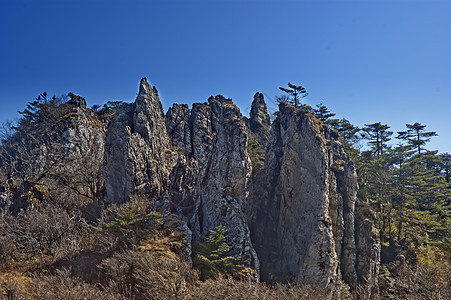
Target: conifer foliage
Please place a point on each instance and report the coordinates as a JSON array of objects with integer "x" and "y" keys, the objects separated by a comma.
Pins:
[
  {"x": 378, "y": 136},
  {"x": 406, "y": 184},
  {"x": 213, "y": 256},
  {"x": 295, "y": 93},
  {"x": 415, "y": 136},
  {"x": 322, "y": 113}
]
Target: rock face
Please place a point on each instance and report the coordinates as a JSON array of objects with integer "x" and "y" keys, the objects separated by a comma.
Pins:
[
  {"x": 368, "y": 248},
  {"x": 84, "y": 143},
  {"x": 77, "y": 101},
  {"x": 303, "y": 220},
  {"x": 137, "y": 148},
  {"x": 291, "y": 211},
  {"x": 64, "y": 156},
  {"x": 213, "y": 170},
  {"x": 259, "y": 121}
]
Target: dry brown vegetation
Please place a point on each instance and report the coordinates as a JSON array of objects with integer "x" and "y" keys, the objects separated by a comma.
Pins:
[{"x": 49, "y": 253}]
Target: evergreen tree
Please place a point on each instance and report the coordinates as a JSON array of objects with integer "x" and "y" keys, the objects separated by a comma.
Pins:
[
  {"x": 426, "y": 197},
  {"x": 42, "y": 118},
  {"x": 378, "y": 135},
  {"x": 322, "y": 113},
  {"x": 376, "y": 185},
  {"x": 445, "y": 165},
  {"x": 213, "y": 255},
  {"x": 415, "y": 136},
  {"x": 347, "y": 131},
  {"x": 294, "y": 95}
]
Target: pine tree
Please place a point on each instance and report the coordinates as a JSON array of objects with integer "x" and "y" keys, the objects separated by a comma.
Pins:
[
  {"x": 295, "y": 94},
  {"x": 322, "y": 113},
  {"x": 378, "y": 135},
  {"x": 347, "y": 131},
  {"x": 445, "y": 165},
  {"x": 426, "y": 197},
  {"x": 415, "y": 136},
  {"x": 376, "y": 185},
  {"x": 213, "y": 255}
]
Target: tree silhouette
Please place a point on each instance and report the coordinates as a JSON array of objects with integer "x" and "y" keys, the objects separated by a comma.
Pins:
[
  {"x": 323, "y": 113},
  {"x": 415, "y": 136},
  {"x": 295, "y": 94},
  {"x": 377, "y": 135}
]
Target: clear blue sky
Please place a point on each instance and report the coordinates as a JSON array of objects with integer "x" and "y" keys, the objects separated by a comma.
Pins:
[{"x": 368, "y": 61}]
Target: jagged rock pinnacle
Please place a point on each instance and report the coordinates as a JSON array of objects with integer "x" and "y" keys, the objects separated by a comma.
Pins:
[{"x": 259, "y": 118}]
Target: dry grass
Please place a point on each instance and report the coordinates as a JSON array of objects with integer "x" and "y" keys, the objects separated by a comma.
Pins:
[{"x": 222, "y": 288}]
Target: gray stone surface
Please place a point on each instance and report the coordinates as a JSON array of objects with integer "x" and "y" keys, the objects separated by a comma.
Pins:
[
  {"x": 303, "y": 220},
  {"x": 259, "y": 121},
  {"x": 293, "y": 219},
  {"x": 211, "y": 181},
  {"x": 138, "y": 156}
]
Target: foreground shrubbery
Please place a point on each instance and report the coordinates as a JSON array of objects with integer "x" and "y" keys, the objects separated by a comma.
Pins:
[
  {"x": 135, "y": 253},
  {"x": 131, "y": 253}
]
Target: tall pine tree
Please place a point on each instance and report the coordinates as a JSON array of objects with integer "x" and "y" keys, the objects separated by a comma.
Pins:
[
  {"x": 295, "y": 94},
  {"x": 322, "y": 113},
  {"x": 416, "y": 136},
  {"x": 377, "y": 135}
]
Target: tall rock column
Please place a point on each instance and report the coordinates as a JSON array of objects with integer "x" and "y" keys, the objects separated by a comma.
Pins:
[
  {"x": 304, "y": 219},
  {"x": 259, "y": 121},
  {"x": 137, "y": 148},
  {"x": 213, "y": 140}
]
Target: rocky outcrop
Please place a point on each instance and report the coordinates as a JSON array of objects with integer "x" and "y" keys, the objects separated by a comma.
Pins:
[
  {"x": 303, "y": 224},
  {"x": 138, "y": 156},
  {"x": 368, "y": 248},
  {"x": 297, "y": 211},
  {"x": 210, "y": 181},
  {"x": 84, "y": 144},
  {"x": 259, "y": 121},
  {"x": 286, "y": 192},
  {"x": 77, "y": 101},
  {"x": 60, "y": 158}
]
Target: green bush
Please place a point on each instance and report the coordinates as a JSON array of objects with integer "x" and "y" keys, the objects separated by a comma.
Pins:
[
  {"x": 212, "y": 256},
  {"x": 131, "y": 226},
  {"x": 256, "y": 152}
]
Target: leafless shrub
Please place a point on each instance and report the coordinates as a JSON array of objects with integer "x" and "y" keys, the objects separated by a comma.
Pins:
[
  {"x": 6, "y": 244},
  {"x": 222, "y": 288},
  {"x": 362, "y": 293},
  {"x": 148, "y": 275},
  {"x": 62, "y": 286},
  {"x": 6, "y": 130},
  {"x": 416, "y": 282},
  {"x": 47, "y": 231}
]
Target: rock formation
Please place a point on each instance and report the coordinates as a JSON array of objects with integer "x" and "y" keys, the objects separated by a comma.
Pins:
[
  {"x": 137, "y": 148},
  {"x": 291, "y": 211},
  {"x": 259, "y": 121},
  {"x": 297, "y": 212},
  {"x": 64, "y": 155},
  {"x": 302, "y": 221},
  {"x": 213, "y": 171},
  {"x": 368, "y": 247}
]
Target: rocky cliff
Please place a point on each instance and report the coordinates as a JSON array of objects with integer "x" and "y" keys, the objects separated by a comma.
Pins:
[
  {"x": 285, "y": 191},
  {"x": 209, "y": 184},
  {"x": 303, "y": 224},
  {"x": 137, "y": 148},
  {"x": 294, "y": 219}
]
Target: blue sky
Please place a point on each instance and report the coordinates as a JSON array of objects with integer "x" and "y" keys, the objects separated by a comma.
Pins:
[{"x": 368, "y": 61}]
